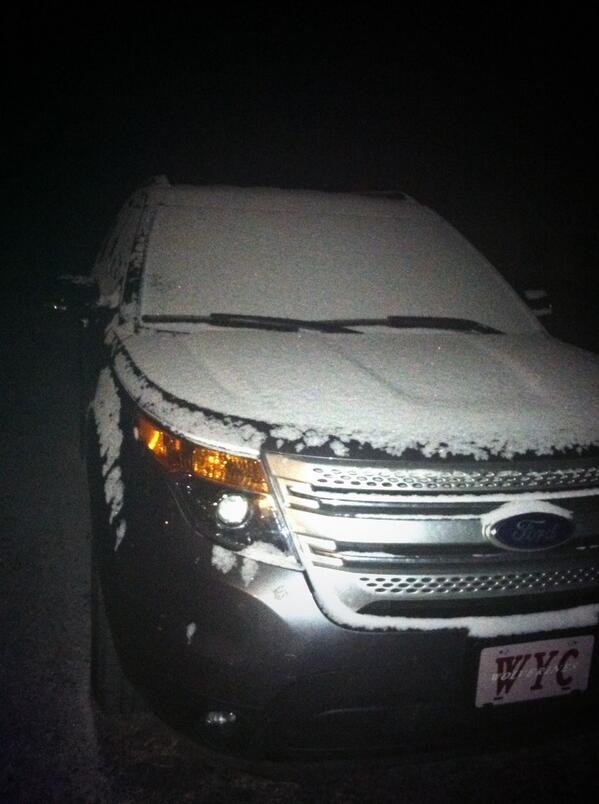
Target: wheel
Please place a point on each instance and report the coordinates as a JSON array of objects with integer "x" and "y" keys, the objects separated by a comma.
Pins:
[{"x": 112, "y": 691}]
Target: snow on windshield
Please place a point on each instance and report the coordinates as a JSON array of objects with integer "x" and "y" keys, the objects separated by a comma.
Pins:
[{"x": 395, "y": 258}]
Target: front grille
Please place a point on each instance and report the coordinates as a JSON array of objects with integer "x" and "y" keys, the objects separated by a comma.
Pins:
[
  {"x": 372, "y": 533},
  {"x": 461, "y": 586},
  {"x": 456, "y": 480}
]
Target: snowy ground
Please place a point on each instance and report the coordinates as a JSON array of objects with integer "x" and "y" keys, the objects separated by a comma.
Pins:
[{"x": 52, "y": 746}]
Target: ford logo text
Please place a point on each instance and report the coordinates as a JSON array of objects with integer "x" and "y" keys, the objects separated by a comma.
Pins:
[{"x": 533, "y": 531}]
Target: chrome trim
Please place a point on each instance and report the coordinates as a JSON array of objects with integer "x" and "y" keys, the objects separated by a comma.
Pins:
[
  {"x": 452, "y": 586},
  {"x": 365, "y": 526},
  {"x": 481, "y": 479},
  {"x": 357, "y": 590}
]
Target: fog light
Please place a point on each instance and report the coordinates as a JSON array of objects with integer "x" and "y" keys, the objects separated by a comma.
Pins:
[
  {"x": 220, "y": 718},
  {"x": 232, "y": 510}
]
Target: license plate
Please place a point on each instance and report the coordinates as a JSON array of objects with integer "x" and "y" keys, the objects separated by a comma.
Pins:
[{"x": 530, "y": 670}]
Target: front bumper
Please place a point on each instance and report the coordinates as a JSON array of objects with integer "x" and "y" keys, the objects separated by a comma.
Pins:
[{"x": 200, "y": 635}]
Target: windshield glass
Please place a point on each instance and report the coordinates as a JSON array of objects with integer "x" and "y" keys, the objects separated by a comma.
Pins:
[{"x": 309, "y": 265}]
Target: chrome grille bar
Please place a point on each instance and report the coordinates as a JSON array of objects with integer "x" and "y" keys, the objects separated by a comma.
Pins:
[
  {"x": 452, "y": 586},
  {"x": 474, "y": 479},
  {"x": 376, "y": 533}
]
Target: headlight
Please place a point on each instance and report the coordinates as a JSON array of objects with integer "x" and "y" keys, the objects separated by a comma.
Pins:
[
  {"x": 178, "y": 455},
  {"x": 233, "y": 510},
  {"x": 225, "y": 496}
]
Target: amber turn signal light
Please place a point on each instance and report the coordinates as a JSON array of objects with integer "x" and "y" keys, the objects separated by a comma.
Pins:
[{"x": 179, "y": 455}]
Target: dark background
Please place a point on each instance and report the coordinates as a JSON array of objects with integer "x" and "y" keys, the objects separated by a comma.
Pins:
[{"x": 486, "y": 115}]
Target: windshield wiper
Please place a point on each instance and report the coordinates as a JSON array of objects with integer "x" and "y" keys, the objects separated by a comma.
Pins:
[
  {"x": 252, "y": 321},
  {"x": 418, "y": 322},
  {"x": 342, "y": 325}
]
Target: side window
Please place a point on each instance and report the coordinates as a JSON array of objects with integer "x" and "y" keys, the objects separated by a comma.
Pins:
[
  {"x": 111, "y": 266},
  {"x": 137, "y": 256}
]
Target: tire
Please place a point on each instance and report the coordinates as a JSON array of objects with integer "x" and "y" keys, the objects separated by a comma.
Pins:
[{"x": 112, "y": 691}]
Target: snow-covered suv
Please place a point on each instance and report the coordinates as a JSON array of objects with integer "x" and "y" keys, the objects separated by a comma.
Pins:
[{"x": 345, "y": 487}]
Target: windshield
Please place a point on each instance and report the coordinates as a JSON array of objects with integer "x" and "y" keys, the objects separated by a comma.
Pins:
[{"x": 312, "y": 266}]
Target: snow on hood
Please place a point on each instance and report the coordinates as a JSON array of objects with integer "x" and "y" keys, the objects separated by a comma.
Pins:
[{"x": 438, "y": 392}]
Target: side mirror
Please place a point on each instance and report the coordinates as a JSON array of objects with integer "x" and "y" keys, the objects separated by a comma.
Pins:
[{"x": 539, "y": 301}]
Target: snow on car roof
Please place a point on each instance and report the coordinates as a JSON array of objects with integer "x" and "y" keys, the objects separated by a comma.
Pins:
[{"x": 281, "y": 200}]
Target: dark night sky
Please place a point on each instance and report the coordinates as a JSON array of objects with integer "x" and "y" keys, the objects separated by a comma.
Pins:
[{"x": 488, "y": 118}]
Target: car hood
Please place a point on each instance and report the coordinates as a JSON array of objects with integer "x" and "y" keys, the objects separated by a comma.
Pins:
[{"x": 438, "y": 392}]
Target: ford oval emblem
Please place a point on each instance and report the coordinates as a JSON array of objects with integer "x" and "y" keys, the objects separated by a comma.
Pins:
[{"x": 530, "y": 531}]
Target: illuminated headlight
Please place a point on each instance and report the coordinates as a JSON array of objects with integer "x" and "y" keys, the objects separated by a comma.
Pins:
[
  {"x": 232, "y": 510},
  {"x": 225, "y": 496}
]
